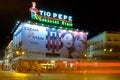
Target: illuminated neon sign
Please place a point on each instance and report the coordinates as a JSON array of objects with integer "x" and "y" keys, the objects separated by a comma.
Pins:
[{"x": 49, "y": 17}]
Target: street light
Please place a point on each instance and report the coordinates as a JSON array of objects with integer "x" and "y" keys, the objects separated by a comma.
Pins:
[
  {"x": 105, "y": 50},
  {"x": 19, "y": 53},
  {"x": 108, "y": 50}
]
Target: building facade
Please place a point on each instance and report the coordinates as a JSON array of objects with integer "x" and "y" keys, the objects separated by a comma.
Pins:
[
  {"x": 8, "y": 55},
  {"x": 48, "y": 36},
  {"x": 39, "y": 42},
  {"x": 105, "y": 45}
]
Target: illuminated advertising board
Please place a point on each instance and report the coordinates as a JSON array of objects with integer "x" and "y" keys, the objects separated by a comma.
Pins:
[
  {"x": 73, "y": 43},
  {"x": 54, "y": 41},
  {"x": 50, "y": 17}
]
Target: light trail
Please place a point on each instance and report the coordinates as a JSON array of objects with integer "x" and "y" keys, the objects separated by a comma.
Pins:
[
  {"x": 95, "y": 71},
  {"x": 92, "y": 64}
]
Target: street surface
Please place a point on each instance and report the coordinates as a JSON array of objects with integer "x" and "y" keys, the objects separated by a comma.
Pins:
[
  {"x": 88, "y": 71},
  {"x": 6, "y": 75}
]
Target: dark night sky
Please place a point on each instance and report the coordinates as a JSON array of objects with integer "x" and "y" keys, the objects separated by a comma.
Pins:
[{"x": 92, "y": 16}]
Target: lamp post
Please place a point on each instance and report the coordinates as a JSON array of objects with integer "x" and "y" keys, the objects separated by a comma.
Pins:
[
  {"x": 108, "y": 53},
  {"x": 20, "y": 54},
  {"x": 107, "y": 50}
]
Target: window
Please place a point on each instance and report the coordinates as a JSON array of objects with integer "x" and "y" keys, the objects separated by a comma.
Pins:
[
  {"x": 109, "y": 39},
  {"x": 115, "y": 39}
]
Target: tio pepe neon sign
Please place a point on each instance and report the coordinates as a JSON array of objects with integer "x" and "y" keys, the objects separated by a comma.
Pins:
[{"x": 49, "y": 17}]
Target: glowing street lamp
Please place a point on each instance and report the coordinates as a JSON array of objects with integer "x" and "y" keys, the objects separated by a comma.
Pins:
[
  {"x": 17, "y": 52},
  {"x": 23, "y": 52},
  {"x": 105, "y": 50},
  {"x": 110, "y": 50}
]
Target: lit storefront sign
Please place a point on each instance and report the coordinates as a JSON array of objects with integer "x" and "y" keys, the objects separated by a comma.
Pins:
[{"x": 50, "y": 17}]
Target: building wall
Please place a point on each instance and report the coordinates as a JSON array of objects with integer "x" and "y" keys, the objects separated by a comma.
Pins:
[
  {"x": 36, "y": 40},
  {"x": 8, "y": 55},
  {"x": 105, "y": 44}
]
